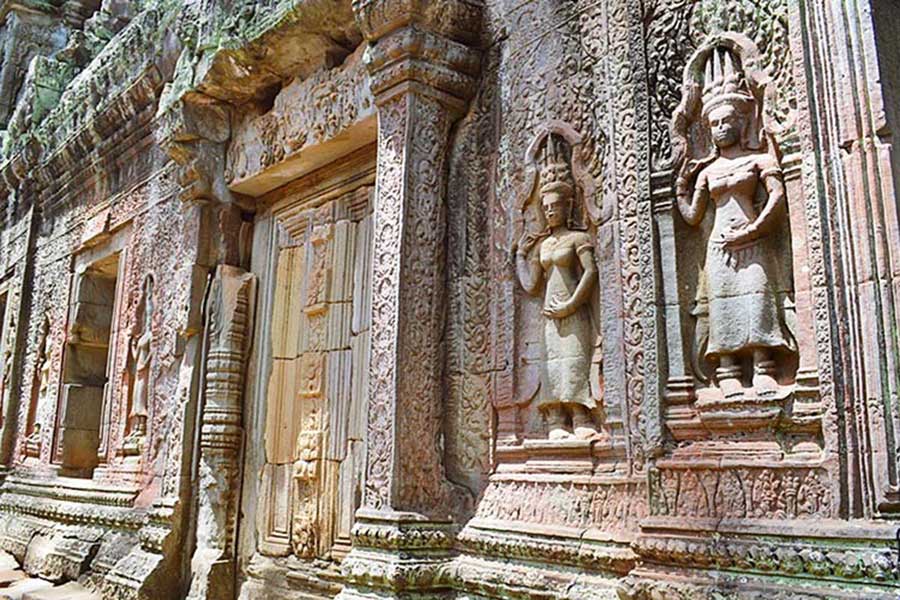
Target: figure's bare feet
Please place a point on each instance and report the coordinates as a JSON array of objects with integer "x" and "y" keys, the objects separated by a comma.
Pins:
[
  {"x": 731, "y": 387},
  {"x": 764, "y": 383},
  {"x": 583, "y": 424},
  {"x": 764, "y": 374},
  {"x": 587, "y": 433},
  {"x": 729, "y": 377},
  {"x": 556, "y": 423},
  {"x": 560, "y": 433}
]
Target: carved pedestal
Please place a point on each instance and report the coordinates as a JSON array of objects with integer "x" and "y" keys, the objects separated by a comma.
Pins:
[{"x": 555, "y": 512}]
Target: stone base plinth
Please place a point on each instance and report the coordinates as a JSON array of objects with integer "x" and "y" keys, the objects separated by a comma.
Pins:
[
  {"x": 63, "y": 529},
  {"x": 560, "y": 535},
  {"x": 398, "y": 555},
  {"x": 754, "y": 559}
]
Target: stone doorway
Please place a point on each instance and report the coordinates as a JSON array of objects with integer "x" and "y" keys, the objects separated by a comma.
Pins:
[{"x": 306, "y": 478}]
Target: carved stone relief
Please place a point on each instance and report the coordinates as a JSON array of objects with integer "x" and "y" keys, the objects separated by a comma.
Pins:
[
  {"x": 677, "y": 28},
  {"x": 40, "y": 394},
  {"x": 229, "y": 321},
  {"x": 139, "y": 355},
  {"x": 742, "y": 493},
  {"x": 744, "y": 295},
  {"x": 744, "y": 351},
  {"x": 555, "y": 260}
]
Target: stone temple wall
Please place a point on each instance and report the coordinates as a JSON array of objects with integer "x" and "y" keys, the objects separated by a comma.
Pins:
[{"x": 469, "y": 299}]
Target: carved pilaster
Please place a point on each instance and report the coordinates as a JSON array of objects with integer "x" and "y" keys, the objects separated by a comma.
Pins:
[
  {"x": 229, "y": 323},
  {"x": 422, "y": 74}
]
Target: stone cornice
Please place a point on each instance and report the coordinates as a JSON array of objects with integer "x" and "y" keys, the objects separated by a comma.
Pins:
[
  {"x": 427, "y": 46},
  {"x": 458, "y": 20},
  {"x": 123, "y": 80}
]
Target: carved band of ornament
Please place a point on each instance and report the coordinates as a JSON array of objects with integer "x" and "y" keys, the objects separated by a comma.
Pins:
[
  {"x": 612, "y": 557},
  {"x": 612, "y": 506},
  {"x": 225, "y": 368},
  {"x": 229, "y": 446},
  {"x": 420, "y": 574},
  {"x": 450, "y": 87},
  {"x": 52, "y": 491},
  {"x": 817, "y": 561},
  {"x": 741, "y": 493},
  {"x": 227, "y": 416},
  {"x": 389, "y": 537},
  {"x": 64, "y": 512},
  {"x": 153, "y": 537}
]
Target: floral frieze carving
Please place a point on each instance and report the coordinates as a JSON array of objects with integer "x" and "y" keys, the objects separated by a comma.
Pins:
[{"x": 757, "y": 493}]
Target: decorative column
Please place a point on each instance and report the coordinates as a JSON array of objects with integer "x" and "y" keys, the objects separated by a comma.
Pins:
[
  {"x": 229, "y": 325},
  {"x": 423, "y": 71}
]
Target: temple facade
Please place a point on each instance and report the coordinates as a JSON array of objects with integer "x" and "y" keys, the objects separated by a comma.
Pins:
[{"x": 457, "y": 299}]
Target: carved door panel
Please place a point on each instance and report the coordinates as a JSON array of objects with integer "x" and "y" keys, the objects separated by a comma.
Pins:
[{"x": 315, "y": 402}]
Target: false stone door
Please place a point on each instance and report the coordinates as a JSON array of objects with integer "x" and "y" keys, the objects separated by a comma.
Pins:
[{"x": 314, "y": 385}]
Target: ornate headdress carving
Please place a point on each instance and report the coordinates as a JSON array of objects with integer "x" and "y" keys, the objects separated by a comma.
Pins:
[
  {"x": 556, "y": 169},
  {"x": 724, "y": 81}
]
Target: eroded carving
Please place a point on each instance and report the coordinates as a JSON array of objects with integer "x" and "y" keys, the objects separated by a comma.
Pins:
[
  {"x": 33, "y": 439},
  {"x": 304, "y": 528}
]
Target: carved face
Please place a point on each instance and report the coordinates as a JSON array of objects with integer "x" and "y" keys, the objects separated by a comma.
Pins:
[
  {"x": 725, "y": 123},
  {"x": 556, "y": 208}
]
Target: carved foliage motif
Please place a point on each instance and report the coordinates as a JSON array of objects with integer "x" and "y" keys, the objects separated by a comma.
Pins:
[
  {"x": 675, "y": 28},
  {"x": 385, "y": 278},
  {"x": 422, "y": 298},
  {"x": 409, "y": 228},
  {"x": 635, "y": 225},
  {"x": 320, "y": 270},
  {"x": 741, "y": 493},
  {"x": 474, "y": 343},
  {"x": 308, "y": 111}
]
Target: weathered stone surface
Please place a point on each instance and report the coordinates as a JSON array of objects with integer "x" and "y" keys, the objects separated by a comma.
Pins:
[{"x": 464, "y": 299}]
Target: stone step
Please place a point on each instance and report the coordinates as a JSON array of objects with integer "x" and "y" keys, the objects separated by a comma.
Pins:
[
  {"x": 69, "y": 591},
  {"x": 11, "y": 576},
  {"x": 18, "y": 590}
]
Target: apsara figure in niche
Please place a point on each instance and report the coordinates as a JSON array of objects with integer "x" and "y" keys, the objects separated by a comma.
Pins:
[
  {"x": 557, "y": 264},
  {"x": 139, "y": 363},
  {"x": 741, "y": 182}
]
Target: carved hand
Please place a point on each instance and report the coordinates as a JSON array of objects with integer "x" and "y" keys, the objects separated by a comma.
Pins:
[
  {"x": 526, "y": 243},
  {"x": 558, "y": 307},
  {"x": 737, "y": 237}
]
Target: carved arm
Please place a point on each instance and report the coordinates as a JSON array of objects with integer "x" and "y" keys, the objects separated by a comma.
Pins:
[
  {"x": 588, "y": 279},
  {"x": 768, "y": 216},
  {"x": 692, "y": 208},
  {"x": 528, "y": 265}
]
